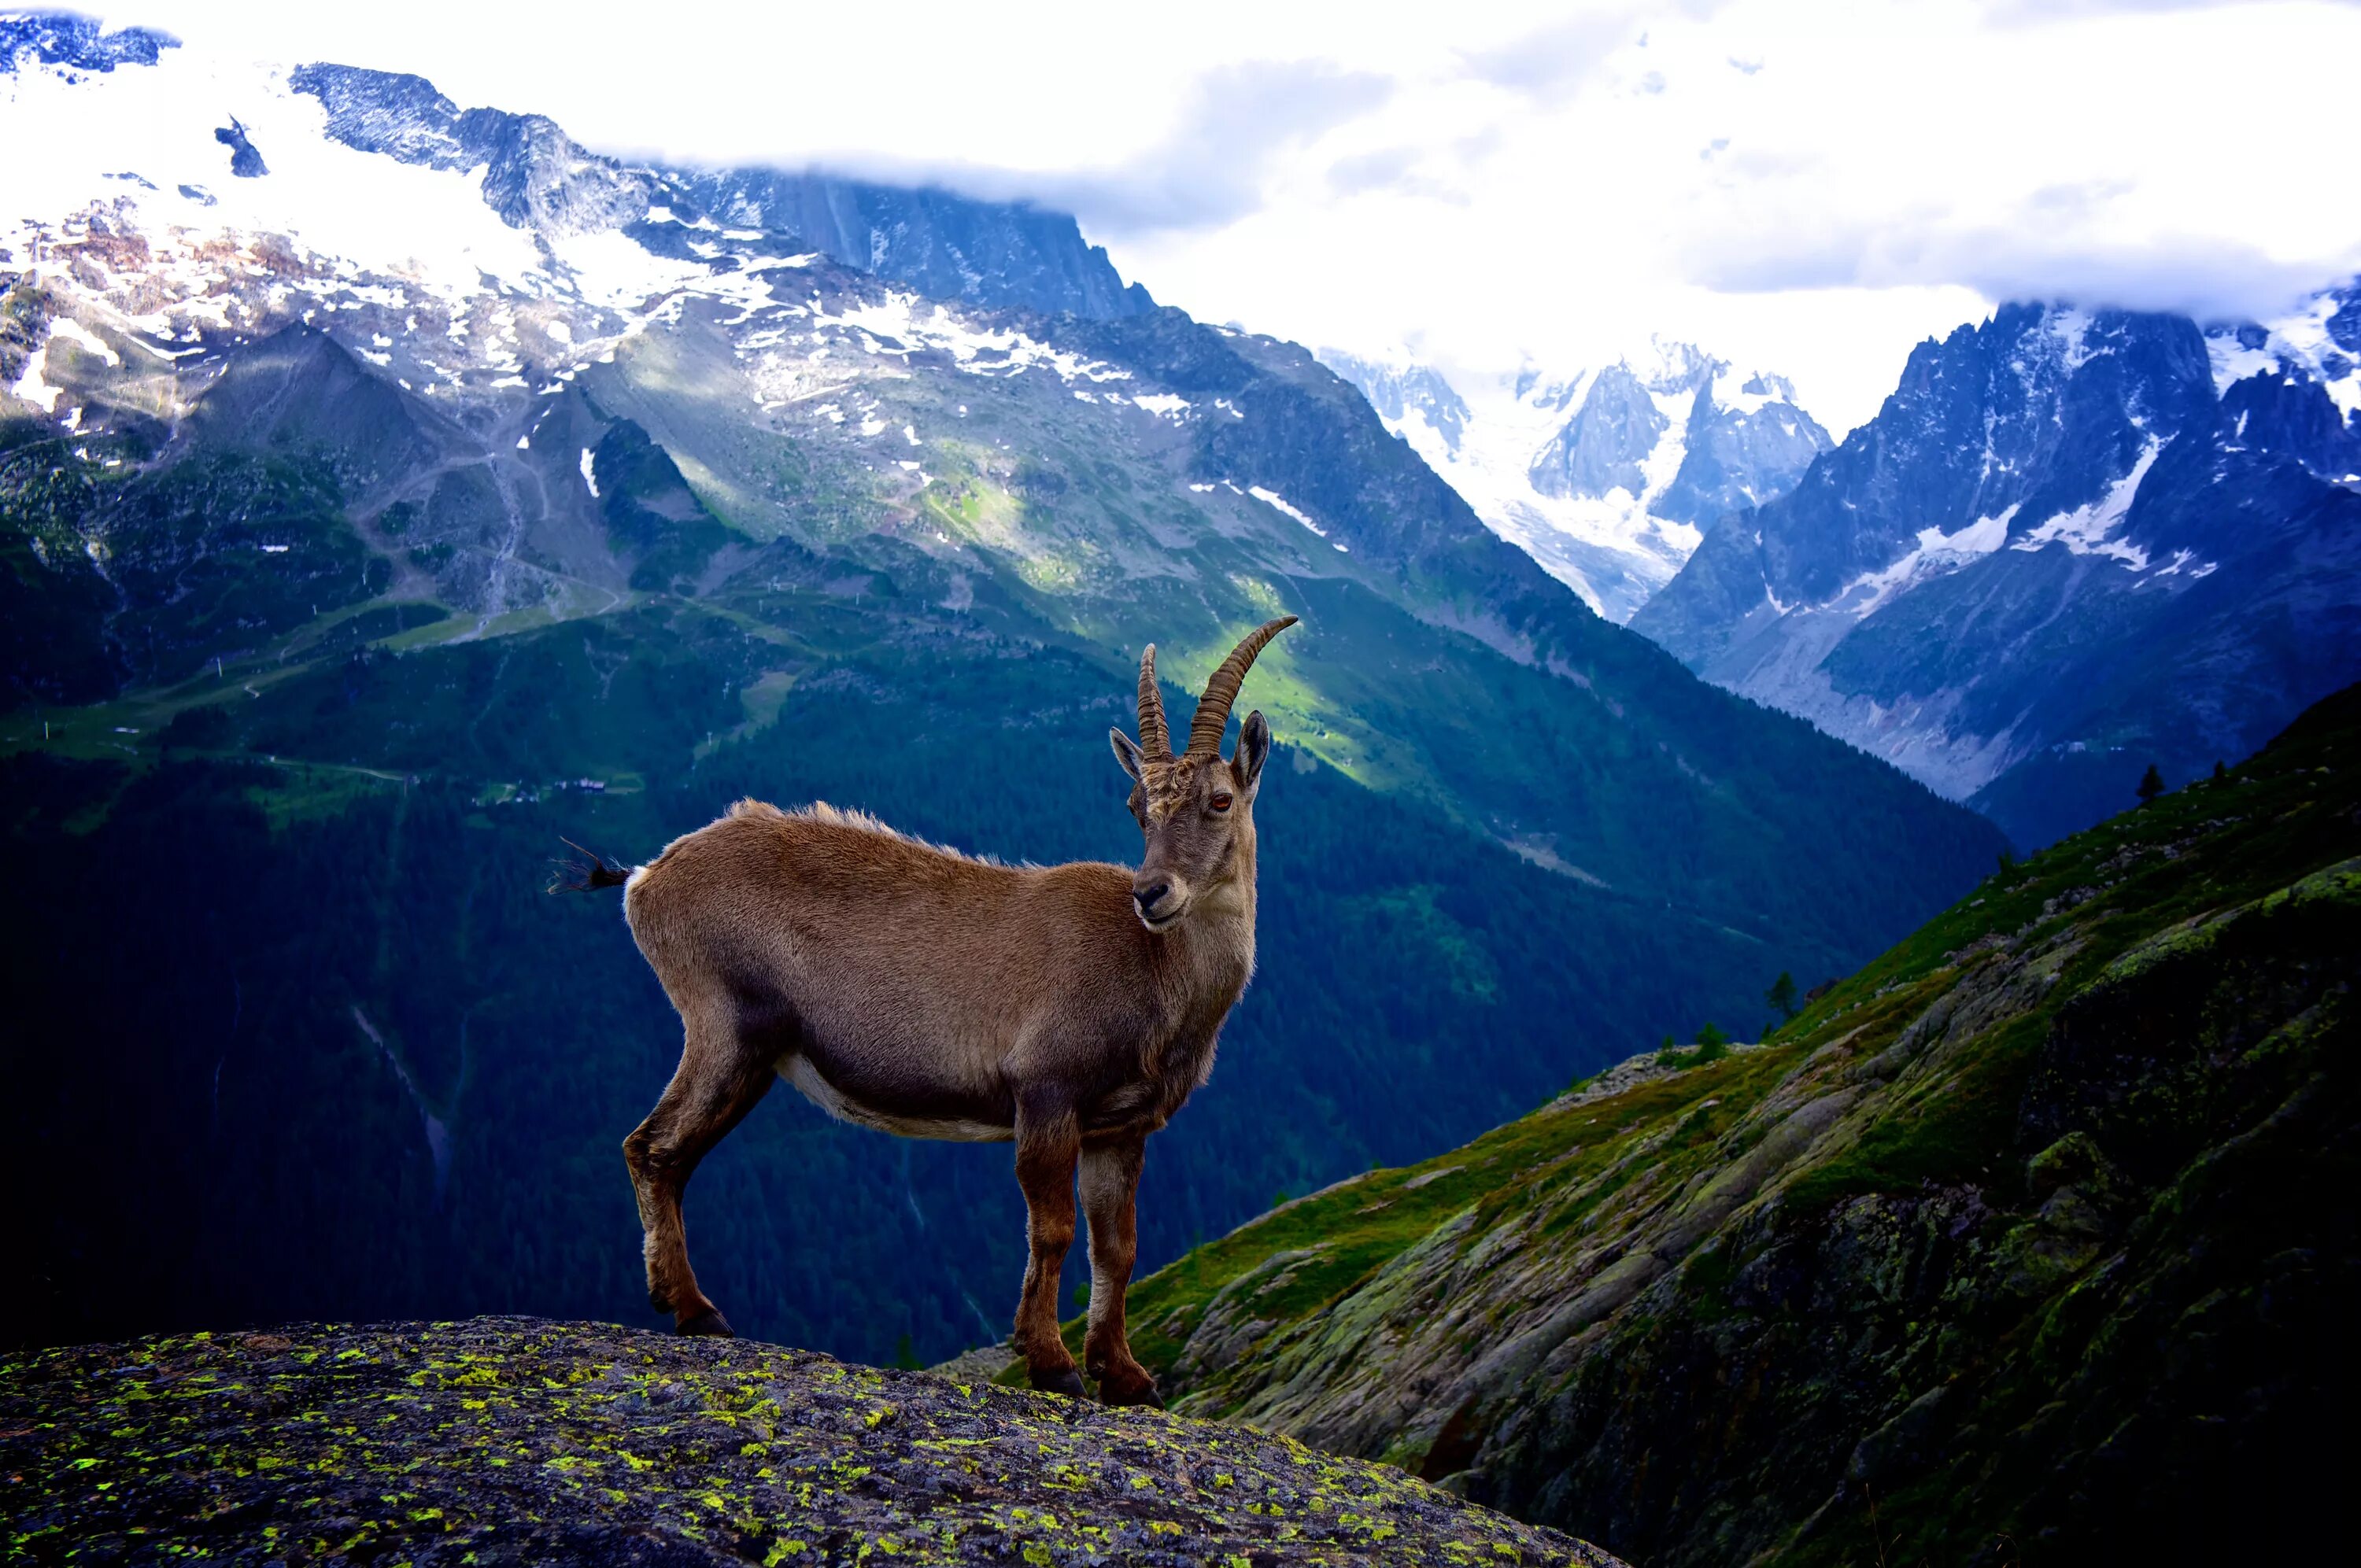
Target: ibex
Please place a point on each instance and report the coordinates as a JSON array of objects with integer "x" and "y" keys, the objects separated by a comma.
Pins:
[{"x": 912, "y": 989}]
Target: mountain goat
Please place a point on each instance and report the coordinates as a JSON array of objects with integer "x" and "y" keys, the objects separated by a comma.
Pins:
[{"x": 1071, "y": 1009}]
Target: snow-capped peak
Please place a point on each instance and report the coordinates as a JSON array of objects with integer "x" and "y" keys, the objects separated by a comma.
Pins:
[
  {"x": 2321, "y": 342},
  {"x": 1609, "y": 476}
]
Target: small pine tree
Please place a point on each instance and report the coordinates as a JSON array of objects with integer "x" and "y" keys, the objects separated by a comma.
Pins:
[
  {"x": 905, "y": 1355},
  {"x": 1781, "y": 994},
  {"x": 2151, "y": 784},
  {"x": 2221, "y": 773},
  {"x": 1712, "y": 1045}
]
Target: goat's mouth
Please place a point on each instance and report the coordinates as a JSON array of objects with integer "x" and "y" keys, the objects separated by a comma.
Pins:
[{"x": 1164, "y": 917}]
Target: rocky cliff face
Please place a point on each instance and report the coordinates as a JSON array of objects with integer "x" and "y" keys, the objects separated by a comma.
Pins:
[
  {"x": 944, "y": 245},
  {"x": 1613, "y": 432},
  {"x": 535, "y": 176},
  {"x": 1404, "y": 394},
  {"x": 1742, "y": 453},
  {"x": 2069, "y": 545},
  {"x": 2022, "y": 1245},
  {"x": 517, "y": 1441}
]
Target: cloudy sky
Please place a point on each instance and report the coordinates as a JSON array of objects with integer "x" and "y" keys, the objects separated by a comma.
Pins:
[{"x": 1799, "y": 185}]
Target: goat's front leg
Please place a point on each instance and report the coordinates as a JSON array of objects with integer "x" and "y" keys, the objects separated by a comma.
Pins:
[
  {"x": 1110, "y": 1187},
  {"x": 1048, "y": 1142}
]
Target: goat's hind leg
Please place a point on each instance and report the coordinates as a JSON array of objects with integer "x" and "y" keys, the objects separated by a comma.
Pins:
[{"x": 720, "y": 1079}]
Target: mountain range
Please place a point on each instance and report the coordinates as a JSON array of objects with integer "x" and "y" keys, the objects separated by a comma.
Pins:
[
  {"x": 391, "y": 486},
  {"x": 2072, "y": 544}
]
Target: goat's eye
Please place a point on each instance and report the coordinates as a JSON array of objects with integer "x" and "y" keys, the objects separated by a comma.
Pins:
[{"x": 1220, "y": 803}]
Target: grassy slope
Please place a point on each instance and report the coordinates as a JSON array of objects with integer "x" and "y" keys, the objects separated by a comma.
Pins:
[{"x": 2025, "y": 1225}]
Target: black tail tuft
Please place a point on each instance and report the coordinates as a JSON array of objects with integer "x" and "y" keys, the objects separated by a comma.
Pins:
[{"x": 587, "y": 874}]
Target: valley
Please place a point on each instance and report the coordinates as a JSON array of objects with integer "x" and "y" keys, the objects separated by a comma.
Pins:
[{"x": 370, "y": 578}]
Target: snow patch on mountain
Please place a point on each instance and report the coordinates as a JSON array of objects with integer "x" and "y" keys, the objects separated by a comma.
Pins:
[
  {"x": 2305, "y": 342},
  {"x": 2090, "y": 530},
  {"x": 1271, "y": 498},
  {"x": 429, "y": 226},
  {"x": 1937, "y": 553}
]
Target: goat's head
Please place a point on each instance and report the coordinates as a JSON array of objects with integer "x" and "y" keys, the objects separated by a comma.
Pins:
[{"x": 1196, "y": 810}]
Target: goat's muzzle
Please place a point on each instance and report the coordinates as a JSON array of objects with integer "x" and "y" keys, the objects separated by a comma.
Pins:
[{"x": 1160, "y": 898}]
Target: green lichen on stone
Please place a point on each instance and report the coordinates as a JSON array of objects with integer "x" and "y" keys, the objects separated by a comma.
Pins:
[{"x": 518, "y": 1441}]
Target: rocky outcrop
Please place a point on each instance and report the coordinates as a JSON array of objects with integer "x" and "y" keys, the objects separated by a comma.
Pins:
[
  {"x": 1399, "y": 390},
  {"x": 518, "y": 1440}
]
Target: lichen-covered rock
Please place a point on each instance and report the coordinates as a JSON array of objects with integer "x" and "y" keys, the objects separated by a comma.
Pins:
[{"x": 521, "y": 1441}]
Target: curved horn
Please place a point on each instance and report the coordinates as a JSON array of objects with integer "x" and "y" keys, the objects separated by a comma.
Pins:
[
  {"x": 1154, "y": 738},
  {"x": 1214, "y": 709}
]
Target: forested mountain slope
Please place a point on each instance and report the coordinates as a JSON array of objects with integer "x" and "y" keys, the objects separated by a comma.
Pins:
[
  {"x": 2026, "y": 1244},
  {"x": 338, "y": 585}
]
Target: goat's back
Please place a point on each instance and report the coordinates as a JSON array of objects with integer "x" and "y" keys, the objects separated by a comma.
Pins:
[{"x": 866, "y": 934}]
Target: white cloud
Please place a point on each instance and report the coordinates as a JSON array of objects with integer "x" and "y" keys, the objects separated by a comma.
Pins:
[{"x": 1806, "y": 185}]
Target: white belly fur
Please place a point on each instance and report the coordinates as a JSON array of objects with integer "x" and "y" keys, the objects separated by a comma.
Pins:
[{"x": 800, "y": 1072}]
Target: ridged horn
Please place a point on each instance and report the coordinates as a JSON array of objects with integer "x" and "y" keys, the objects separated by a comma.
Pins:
[
  {"x": 1212, "y": 714},
  {"x": 1154, "y": 738}
]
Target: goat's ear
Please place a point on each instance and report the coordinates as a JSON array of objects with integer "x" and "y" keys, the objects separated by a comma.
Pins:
[
  {"x": 1127, "y": 751},
  {"x": 1253, "y": 750}
]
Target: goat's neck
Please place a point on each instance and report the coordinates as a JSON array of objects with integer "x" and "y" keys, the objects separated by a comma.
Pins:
[{"x": 1216, "y": 945}]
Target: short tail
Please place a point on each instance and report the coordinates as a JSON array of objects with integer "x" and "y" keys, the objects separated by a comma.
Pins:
[{"x": 589, "y": 874}]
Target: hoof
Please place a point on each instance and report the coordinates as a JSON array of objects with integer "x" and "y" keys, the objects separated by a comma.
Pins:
[
  {"x": 1145, "y": 1398},
  {"x": 710, "y": 1322},
  {"x": 1065, "y": 1380}
]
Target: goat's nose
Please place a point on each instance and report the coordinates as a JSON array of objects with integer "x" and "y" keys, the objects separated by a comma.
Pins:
[{"x": 1148, "y": 898}]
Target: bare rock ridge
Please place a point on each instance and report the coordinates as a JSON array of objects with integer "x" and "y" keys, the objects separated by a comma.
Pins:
[
  {"x": 945, "y": 247},
  {"x": 521, "y": 1441}
]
